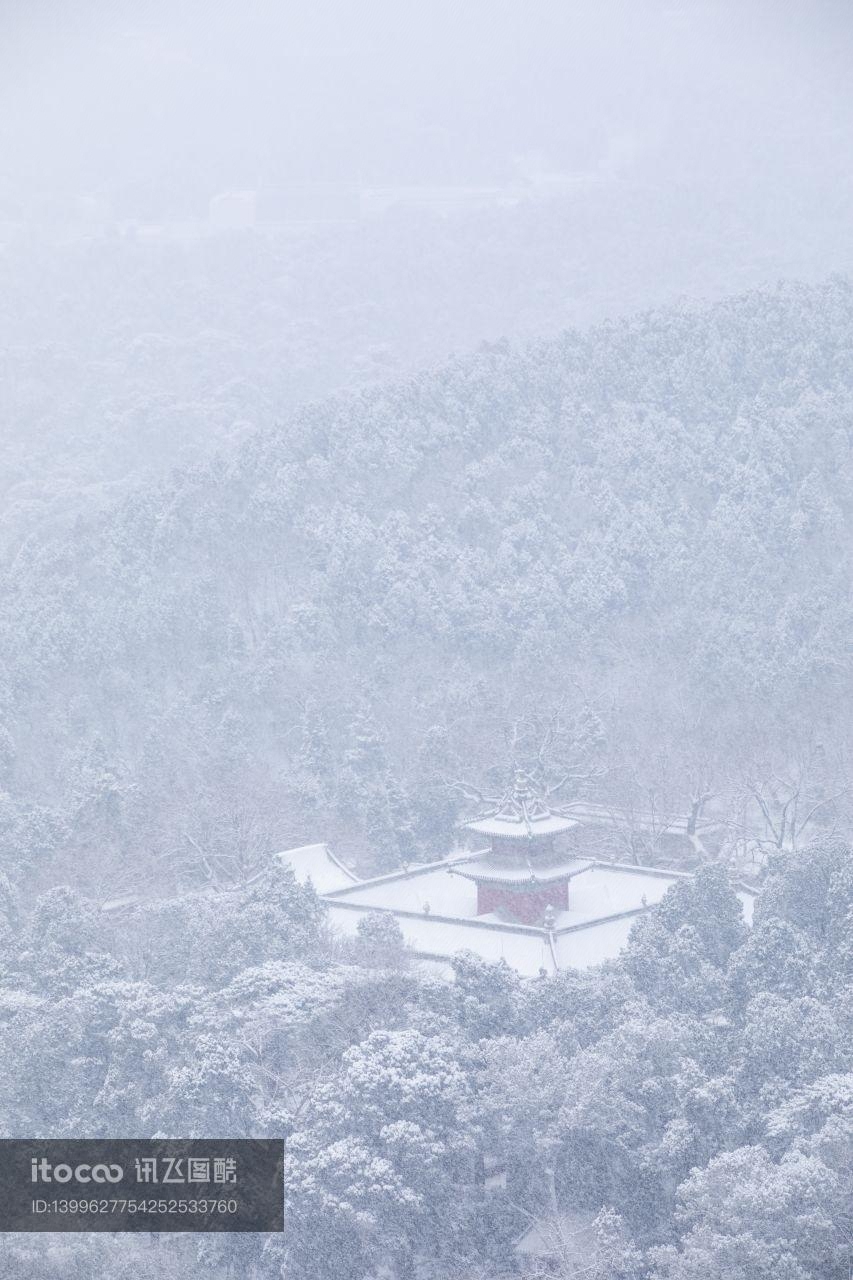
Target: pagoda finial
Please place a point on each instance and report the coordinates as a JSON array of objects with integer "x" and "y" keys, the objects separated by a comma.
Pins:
[{"x": 521, "y": 812}]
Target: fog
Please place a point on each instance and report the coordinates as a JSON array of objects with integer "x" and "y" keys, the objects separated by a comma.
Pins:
[{"x": 738, "y": 99}]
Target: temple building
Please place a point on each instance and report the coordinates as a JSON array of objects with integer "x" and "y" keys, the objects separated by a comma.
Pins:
[
  {"x": 522, "y": 875},
  {"x": 530, "y": 895}
]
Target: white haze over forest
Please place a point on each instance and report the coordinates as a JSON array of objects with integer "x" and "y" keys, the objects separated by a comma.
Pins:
[{"x": 392, "y": 395}]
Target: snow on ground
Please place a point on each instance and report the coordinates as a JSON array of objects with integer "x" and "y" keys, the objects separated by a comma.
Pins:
[
  {"x": 436, "y": 909},
  {"x": 316, "y": 862},
  {"x": 528, "y": 951},
  {"x": 747, "y": 901},
  {"x": 607, "y": 890},
  {"x": 582, "y": 948},
  {"x": 445, "y": 893}
]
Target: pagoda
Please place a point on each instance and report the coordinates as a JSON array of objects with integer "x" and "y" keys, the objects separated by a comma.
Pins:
[{"x": 522, "y": 876}]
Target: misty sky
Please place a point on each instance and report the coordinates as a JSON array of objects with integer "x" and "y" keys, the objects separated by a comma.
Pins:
[{"x": 201, "y": 97}]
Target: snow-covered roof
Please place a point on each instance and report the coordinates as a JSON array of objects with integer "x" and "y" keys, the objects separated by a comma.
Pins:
[
  {"x": 512, "y": 829},
  {"x": 317, "y": 863},
  {"x": 521, "y": 813}
]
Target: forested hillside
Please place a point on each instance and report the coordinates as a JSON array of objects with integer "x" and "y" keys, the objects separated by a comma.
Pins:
[
  {"x": 641, "y": 530},
  {"x": 420, "y": 425},
  {"x": 129, "y": 348}
]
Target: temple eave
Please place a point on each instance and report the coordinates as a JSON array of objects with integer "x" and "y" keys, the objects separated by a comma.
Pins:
[
  {"x": 529, "y": 876},
  {"x": 520, "y": 881},
  {"x": 503, "y": 829}
]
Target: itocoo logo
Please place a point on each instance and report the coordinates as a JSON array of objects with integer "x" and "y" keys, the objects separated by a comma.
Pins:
[{"x": 43, "y": 1171}]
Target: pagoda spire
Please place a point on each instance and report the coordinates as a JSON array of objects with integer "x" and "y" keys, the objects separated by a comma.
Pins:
[{"x": 521, "y": 812}]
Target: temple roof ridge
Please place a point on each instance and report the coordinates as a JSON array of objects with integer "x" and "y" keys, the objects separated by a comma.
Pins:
[{"x": 522, "y": 812}]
